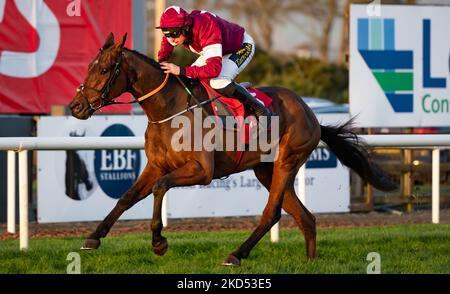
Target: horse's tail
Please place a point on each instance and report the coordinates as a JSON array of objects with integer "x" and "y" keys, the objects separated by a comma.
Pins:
[{"x": 353, "y": 153}]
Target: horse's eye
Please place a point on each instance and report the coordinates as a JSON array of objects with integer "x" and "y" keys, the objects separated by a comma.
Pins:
[{"x": 104, "y": 71}]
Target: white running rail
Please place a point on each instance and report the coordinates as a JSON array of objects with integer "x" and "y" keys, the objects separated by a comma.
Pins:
[{"x": 23, "y": 144}]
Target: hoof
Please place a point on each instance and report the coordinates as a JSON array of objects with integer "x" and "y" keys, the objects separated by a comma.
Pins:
[
  {"x": 231, "y": 260},
  {"x": 90, "y": 244},
  {"x": 161, "y": 247}
]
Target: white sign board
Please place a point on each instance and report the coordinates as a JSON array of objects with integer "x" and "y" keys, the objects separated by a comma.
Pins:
[
  {"x": 85, "y": 185},
  {"x": 400, "y": 65}
]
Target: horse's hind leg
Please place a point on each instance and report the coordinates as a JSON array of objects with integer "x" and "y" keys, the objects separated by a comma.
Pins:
[
  {"x": 284, "y": 171},
  {"x": 292, "y": 205},
  {"x": 140, "y": 189},
  {"x": 305, "y": 220}
]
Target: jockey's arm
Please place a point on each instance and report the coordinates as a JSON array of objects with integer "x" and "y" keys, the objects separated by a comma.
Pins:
[
  {"x": 165, "y": 50},
  {"x": 213, "y": 59}
]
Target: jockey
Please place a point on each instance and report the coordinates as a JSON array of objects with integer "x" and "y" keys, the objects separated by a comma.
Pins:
[{"x": 225, "y": 50}]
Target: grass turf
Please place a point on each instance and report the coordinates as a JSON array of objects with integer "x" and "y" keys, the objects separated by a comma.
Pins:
[{"x": 402, "y": 249}]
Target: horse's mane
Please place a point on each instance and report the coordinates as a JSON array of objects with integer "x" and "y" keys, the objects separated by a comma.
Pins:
[
  {"x": 144, "y": 57},
  {"x": 154, "y": 63}
]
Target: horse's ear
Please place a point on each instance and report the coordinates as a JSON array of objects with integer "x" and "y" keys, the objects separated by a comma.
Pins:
[
  {"x": 109, "y": 41},
  {"x": 124, "y": 38}
]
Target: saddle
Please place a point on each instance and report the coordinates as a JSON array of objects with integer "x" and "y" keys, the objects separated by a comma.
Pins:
[{"x": 224, "y": 107}]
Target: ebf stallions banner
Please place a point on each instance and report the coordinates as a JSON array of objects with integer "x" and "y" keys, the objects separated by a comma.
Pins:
[
  {"x": 46, "y": 46},
  {"x": 400, "y": 65},
  {"x": 76, "y": 185}
]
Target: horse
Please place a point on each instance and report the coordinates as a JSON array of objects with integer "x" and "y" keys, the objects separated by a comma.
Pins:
[{"x": 117, "y": 69}]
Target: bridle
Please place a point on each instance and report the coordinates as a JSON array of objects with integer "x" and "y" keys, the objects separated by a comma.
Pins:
[{"x": 104, "y": 92}]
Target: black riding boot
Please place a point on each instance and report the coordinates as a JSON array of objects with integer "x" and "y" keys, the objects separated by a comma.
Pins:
[{"x": 247, "y": 99}]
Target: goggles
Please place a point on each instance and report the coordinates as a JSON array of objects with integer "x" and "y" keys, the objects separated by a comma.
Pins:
[{"x": 172, "y": 34}]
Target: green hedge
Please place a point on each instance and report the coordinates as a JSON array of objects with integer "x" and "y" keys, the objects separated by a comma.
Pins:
[{"x": 306, "y": 77}]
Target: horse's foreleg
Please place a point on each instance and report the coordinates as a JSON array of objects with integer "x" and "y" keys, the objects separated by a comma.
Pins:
[
  {"x": 138, "y": 191},
  {"x": 292, "y": 205},
  {"x": 192, "y": 173}
]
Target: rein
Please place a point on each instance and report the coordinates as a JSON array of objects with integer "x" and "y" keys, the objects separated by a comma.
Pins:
[
  {"x": 189, "y": 108},
  {"x": 153, "y": 92},
  {"x": 183, "y": 111}
]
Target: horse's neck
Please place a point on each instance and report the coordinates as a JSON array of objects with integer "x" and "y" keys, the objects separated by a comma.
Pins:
[{"x": 162, "y": 104}]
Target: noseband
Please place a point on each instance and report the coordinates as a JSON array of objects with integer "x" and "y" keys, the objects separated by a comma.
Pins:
[{"x": 104, "y": 92}]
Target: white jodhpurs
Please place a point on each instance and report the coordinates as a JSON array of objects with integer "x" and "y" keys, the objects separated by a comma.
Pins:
[{"x": 232, "y": 64}]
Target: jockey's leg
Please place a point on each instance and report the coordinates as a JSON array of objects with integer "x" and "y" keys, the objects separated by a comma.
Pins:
[{"x": 234, "y": 90}]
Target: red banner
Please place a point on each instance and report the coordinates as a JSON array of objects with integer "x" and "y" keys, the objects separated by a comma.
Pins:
[{"x": 46, "y": 46}]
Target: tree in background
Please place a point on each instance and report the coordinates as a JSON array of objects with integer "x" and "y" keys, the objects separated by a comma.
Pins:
[
  {"x": 259, "y": 17},
  {"x": 318, "y": 21}
]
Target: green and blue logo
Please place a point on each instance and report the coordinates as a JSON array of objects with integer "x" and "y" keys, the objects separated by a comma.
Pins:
[{"x": 394, "y": 69}]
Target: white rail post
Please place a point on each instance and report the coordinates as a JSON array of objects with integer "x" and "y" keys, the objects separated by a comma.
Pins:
[
  {"x": 301, "y": 193},
  {"x": 164, "y": 211},
  {"x": 11, "y": 192},
  {"x": 275, "y": 233},
  {"x": 23, "y": 199},
  {"x": 435, "y": 186}
]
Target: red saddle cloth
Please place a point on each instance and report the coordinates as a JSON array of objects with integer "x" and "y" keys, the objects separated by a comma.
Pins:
[{"x": 238, "y": 110}]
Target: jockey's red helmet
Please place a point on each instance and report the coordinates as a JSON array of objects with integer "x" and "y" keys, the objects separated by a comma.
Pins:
[{"x": 174, "y": 17}]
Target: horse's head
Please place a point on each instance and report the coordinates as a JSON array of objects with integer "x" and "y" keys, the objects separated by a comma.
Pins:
[{"x": 105, "y": 80}]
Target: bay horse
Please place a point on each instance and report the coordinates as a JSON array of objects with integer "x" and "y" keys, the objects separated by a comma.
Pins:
[{"x": 117, "y": 69}]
